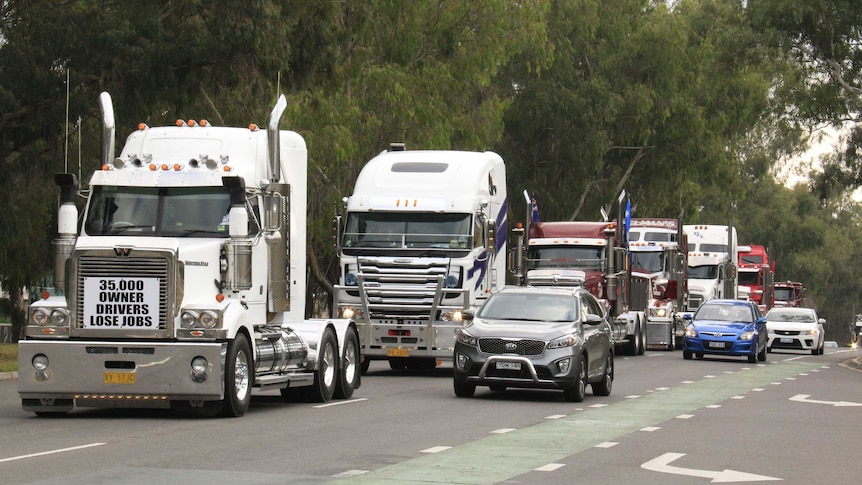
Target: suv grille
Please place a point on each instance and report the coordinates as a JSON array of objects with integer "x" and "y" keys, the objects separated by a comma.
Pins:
[{"x": 512, "y": 347}]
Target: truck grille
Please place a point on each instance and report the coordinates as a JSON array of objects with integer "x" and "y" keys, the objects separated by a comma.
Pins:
[
  {"x": 404, "y": 290},
  {"x": 512, "y": 347},
  {"x": 105, "y": 264}
]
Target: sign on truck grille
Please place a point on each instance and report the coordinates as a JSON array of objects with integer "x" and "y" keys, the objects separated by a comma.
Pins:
[{"x": 121, "y": 303}]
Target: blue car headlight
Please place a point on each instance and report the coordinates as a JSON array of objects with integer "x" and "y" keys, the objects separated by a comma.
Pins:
[
  {"x": 690, "y": 332},
  {"x": 747, "y": 336}
]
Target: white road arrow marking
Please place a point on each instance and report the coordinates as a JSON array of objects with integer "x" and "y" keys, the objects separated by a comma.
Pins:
[
  {"x": 804, "y": 398},
  {"x": 661, "y": 465}
]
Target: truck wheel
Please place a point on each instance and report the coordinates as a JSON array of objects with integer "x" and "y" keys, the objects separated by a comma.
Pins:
[
  {"x": 632, "y": 347},
  {"x": 578, "y": 391},
  {"x": 237, "y": 378},
  {"x": 642, "y": 341},
  {"x": 671, "y": 339},
  {"x": 327, "y": 366},
  {"x": 366, "y": 362},
  {"x": 349, "y": 378}
]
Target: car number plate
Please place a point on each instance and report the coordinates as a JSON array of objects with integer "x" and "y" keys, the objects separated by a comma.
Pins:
[
  {"x": 508, "y": 366},
  {"x": 398, "y": 353},
  {"x": 716, "y": 345},
  {"x": 786, "y": 340},
  {"x": 118, "y": 378}
]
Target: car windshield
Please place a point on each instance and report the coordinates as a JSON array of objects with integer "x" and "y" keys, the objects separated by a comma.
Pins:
[
  {"x": 724, "y": 313},
  {"x": 530, "y": 307},
  {"x": 785, "y": 316}
]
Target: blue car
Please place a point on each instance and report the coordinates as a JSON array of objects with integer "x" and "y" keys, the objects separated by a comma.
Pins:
[{"x": 726, "y": 327}]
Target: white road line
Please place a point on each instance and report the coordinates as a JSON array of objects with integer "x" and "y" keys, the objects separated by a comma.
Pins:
[
  {"x": 600, "y": 405},
  {"x": 550, "y": 467},
  {"x": 502, "y": 430},
  {"x": 738, "y": 397},
  {"x": 339, "y": 403},
  {"x": 650, "y": 428},
  {"x": 349, "y": 473},
  {"x": 607, "y": 444},
  {"x": 43, "y": 453},
  {"x": 757, "y": 389},
  {"x": 712, "y": 406},
  {"x": 685, "y": 416},
  {"x": 632, "y": 396},
  {"x": 436, "y": 449},
  {"x": 555, "y": 416}
]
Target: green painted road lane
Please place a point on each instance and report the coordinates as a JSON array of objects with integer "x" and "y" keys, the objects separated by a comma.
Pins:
[{"x": 501, "y": 457}]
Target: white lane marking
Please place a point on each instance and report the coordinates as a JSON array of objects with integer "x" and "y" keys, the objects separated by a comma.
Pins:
[
  {"x": 549, "y": 467},
  {"x": 607, "y": 444},
  {"x": 502, "y": 430},
  {"x": 757, "y": 389},
  {"x": 349, "y": 473},
  {"x": 738, "y": 397},
  {"x": 708, "y": 376},
  {"x": 712, "y": 406},
  {"x": 685, "y": 416},
  {"x": 632, "y": 396},
  {"x": 661, "y": 464},
  {"x": 688, "y": 382},
  {"x": 662, "y": 388},
  {"x": 840, "y": 404},
  {"x": 555, "y": 416},
  {"x": 339, "y": 403},
  {"x": 436, "y": 449},
  {"x": 51, "y": 452},
  {"x": 601, "y": 405},
  {"x": 650, "y": 429}
]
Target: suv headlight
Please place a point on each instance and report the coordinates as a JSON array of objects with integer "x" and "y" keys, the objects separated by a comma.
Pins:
[
  {"x": 465, "y": 338},
  {"x": 564, "y": 341}
]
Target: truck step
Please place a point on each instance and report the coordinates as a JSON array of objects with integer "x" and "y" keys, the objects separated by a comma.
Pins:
[{"x": 298, "y": 379}]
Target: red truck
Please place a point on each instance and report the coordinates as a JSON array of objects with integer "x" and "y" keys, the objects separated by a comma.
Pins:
[
  {"x": 592, "y": 255},
  {"x": 788, "y": 293},
  {"x": 756, "y": 271}
]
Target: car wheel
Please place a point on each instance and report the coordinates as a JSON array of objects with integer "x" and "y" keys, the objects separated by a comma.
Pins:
[
  {"x": 578, "y": 391},
  {"x": 604, "y": 386},
  {"x": 699, "y": 355},
  {"x": 769, "y": 349},
  {"x": 349, "y": 374},
  {"x": 686, "y": 354},
  {"x": 761, "y": 356},
  {"x": 463, "y": 388},
  {"x": 238, "y": 377},
  {"x": 752, "y": 357}
]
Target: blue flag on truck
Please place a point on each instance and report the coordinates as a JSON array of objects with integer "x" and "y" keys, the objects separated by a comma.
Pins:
[{"x": 535, "y": 217}]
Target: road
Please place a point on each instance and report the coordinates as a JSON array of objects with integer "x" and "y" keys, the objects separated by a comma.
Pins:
[{"x": 796, "y": 418}]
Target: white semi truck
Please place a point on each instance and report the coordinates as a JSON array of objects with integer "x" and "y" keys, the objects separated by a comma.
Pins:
[
  {"x": 422, "y": 238},
  {"x": 185, "y": 286},
  {"x": 712, "y": 257}
]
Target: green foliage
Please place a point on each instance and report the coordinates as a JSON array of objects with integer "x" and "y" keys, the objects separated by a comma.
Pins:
[{"x": 688, "y": 105}]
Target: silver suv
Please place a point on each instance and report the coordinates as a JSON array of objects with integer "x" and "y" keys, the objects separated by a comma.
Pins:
[{"x": 544, "y": 338}]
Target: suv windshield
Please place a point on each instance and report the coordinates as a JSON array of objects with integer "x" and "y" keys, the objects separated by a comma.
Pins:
[
  {"x": 153, "y": 211},
  {"x": 530, "y": 307}
]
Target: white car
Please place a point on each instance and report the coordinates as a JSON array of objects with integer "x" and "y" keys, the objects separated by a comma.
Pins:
[{"x": 795, "y": 328}]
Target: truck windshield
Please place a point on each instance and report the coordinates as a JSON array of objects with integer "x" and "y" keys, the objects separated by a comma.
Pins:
[
  {"x": 751, "y": 278},
  {"x": 153, "y": 211},
  {"x": 408, "y": 230},
  {"x": 649, "y": 261},
  {"x": 581, "y": 257},
  {"x": 783, "y": 294},
  {"x": 705, "y": 272}
]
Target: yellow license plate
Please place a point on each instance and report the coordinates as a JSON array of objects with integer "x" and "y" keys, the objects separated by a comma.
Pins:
[
  {"x": 398, "y": 353},
  {"x": 118, "y": 378}
]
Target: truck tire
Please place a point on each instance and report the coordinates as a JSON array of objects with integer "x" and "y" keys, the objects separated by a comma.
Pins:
[
  {"x": 633, "y": 344},
  {"x": 642, "y": 342},
  {"x": 349, "y": 373},
  {"x": 237, "y": 377},
  {"x": 325, "y": 378}
]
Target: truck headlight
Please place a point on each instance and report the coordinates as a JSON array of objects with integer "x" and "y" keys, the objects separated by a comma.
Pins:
[
  {"x": 200, "y": 319},
  {"x": 350, "y": 312},
  {"x": 452, "y": 280},
  {"x": 350, "y": 279},
  {"x": 40, "y": 316},
  {"x": 451, "y": 316},
  {"x": 49, "y": 316}
]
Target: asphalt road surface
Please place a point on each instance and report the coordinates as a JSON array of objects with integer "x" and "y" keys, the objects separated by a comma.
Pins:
[{"x": 796, "y": 418}]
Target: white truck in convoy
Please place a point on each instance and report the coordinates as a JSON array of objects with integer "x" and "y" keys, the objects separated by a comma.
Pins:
[
  {"x": 185, "y": 286},
  {"x": 712, "y": 257},
  {"x": 422, "y": 238}
]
